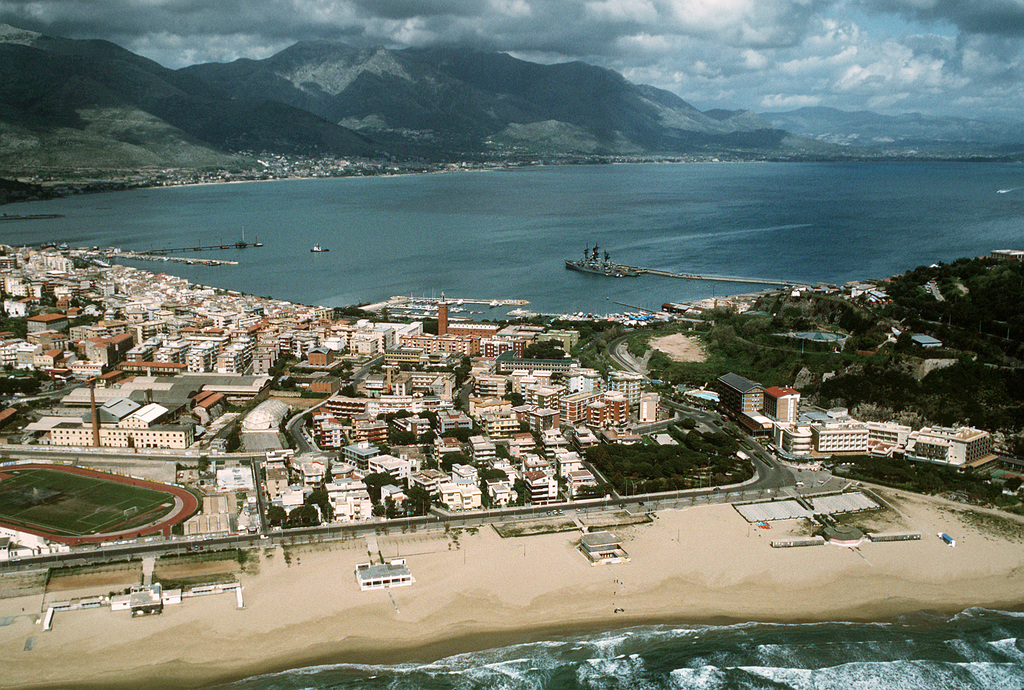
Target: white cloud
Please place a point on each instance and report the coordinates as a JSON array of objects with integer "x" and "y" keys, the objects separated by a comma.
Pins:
[{"x": 778, "y": 101}]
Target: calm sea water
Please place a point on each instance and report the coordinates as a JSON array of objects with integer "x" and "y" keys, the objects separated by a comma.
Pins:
[
  {"x": 505, "y": 234},
  {"x": 976, "y": 649}
]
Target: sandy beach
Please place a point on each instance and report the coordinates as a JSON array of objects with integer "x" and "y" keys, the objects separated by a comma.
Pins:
[{"x": 479, "y": 590}]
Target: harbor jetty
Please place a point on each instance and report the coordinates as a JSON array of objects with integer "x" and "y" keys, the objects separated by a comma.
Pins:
[
  {"x": 241, "y": 244},
  {"x": 623, "y": 271},
  {"x": 427, "y": 306},
  {"x": 151, "y": 256},
  {"x": 705, "y": 276}
]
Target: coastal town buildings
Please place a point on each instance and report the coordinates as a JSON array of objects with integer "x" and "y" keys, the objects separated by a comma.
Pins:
[{"x": 168, "y": 357}]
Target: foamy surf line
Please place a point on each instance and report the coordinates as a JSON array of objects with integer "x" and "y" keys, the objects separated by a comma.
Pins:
[{"x": 977, "y": 648}]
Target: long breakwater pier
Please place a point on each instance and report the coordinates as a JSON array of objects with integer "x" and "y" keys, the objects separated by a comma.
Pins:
[
  {"x": 200, "y": 248},
  {"x": 639, "y": 270}
]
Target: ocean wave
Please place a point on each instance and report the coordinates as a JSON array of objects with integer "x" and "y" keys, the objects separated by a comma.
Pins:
[
  {"x": 1009, "y": 647},
  {"x": 981, "y": 612},
  {"x": 893, "y": 675},
  {"x": 621, "y": 672},
  {"x": 978, "y": 648},
  {"x": 704, "y": 677}
]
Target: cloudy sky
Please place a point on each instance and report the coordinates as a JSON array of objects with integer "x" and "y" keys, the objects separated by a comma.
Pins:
[{"x": 957, "y": 57}]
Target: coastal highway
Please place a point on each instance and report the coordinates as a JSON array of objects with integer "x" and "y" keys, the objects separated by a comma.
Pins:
[
  {"x": 771, "y": 474},
  {"x": 159, "y": 546},
  {"x": 772, "y": 478}
]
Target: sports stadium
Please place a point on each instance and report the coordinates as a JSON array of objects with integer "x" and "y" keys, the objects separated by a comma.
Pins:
[{"x": 76, "y": 505}]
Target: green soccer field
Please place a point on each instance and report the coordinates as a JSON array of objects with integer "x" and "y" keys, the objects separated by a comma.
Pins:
[{"x": 67, "y": 504}]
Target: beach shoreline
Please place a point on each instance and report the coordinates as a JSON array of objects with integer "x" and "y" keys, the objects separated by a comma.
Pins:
[{"x": 700, "y": 566}]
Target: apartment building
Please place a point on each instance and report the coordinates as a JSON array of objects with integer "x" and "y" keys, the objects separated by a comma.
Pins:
[
  {"x": 350, "y": 500},
  {"x": 847, "y": 436},
  {"x": 490, "y": 386},
  {"x": 202, "y": 357},
  {"x": 573, "y": 407},
  {"x": 958, "y": 446},
  {"x": 542, "y": 486},
  {"x": 629, "y": 384},
  {"x": 739, "y": 395},
  {"x": 399, "y": 469},
  {"x": 782, "y": 403},
  {"x": 647, "y": 411}
]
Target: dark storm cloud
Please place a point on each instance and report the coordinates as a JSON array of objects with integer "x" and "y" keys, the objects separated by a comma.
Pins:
[{"x": 992, "y": 17}]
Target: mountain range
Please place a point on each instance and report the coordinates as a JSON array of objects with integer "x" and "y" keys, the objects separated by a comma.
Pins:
[
  {"x": 462, "y": 101},
  {"x": 903, "y": 132},
  {"x": 89, "y": 104},
  {"x": 68, "y": 104}
]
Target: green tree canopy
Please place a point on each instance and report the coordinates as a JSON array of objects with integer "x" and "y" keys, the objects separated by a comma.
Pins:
[{"x": 548, "y": 349}]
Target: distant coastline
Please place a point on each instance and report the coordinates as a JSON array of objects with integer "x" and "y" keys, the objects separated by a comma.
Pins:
[{"x": 59, "y": 188}]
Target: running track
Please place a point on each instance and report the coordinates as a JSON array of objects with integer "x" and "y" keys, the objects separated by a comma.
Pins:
[{"x": 185, "y": 504}]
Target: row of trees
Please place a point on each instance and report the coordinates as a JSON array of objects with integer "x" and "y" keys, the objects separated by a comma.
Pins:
[
  {"x": 921, "y": 477},
  {"x": 700, "y": 459}
]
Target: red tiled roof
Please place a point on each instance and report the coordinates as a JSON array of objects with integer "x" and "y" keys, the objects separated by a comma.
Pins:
[
  {"x": 777, "y": 391},
  {"x": 47, "y": 318}
]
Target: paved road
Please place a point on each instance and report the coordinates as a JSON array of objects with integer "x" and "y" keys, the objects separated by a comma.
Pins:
[
  {"x": 771, "y": 477},
  {"x": 158, "y": 546},
  {"x": 623, "y": 359},
  {"x": 295, "y": 428}
]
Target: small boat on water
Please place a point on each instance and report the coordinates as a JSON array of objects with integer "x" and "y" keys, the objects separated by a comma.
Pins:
[{"x": 318, "y": 249}]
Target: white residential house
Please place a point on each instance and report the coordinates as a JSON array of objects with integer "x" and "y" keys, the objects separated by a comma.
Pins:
[
  {"x": 483, "y": 450},
  {"x": 543, "y": 487},
  {"x": 429, "y": 480},
  {"x": 458, "y": 496},
  {"x": 312, "y": 472},
  {"x": 577, "y": 479},
  {"x": 292, "y": 497},
  {"x": 567, "y": 461},
  {"x": 500, "y": 492},
  {"x": 398, "y": 468},
  {"x": 350, "y": 500},
  {"x": 465, "y": 474}
]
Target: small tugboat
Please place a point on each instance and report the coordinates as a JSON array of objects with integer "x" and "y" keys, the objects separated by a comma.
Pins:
[{"x": 317, "y": 249}]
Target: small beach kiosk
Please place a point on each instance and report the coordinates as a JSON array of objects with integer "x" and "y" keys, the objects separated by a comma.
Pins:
[
  {"x": 601, "y": 548},
  {"x": 394, "y": 573},
  {"x": 145, "y": 600}
]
